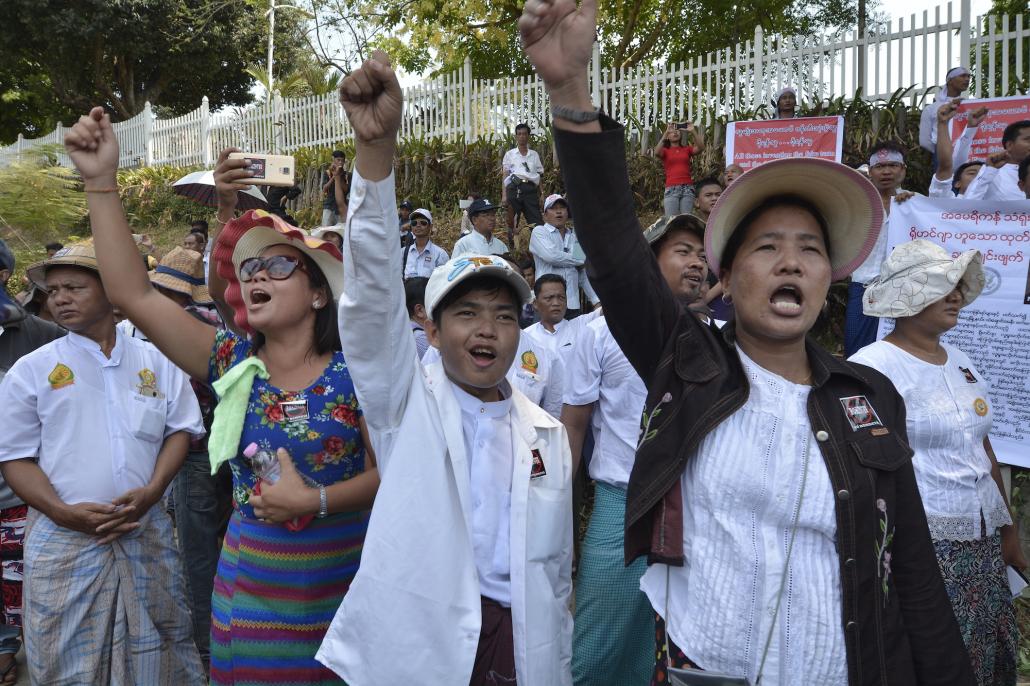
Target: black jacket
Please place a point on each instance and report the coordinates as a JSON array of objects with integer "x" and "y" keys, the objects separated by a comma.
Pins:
[{"x": 899, "y": 627}]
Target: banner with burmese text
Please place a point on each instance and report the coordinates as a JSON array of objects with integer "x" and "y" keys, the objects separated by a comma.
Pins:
[
  {"x": 1000, "y": 113},
  {"x": 995, "y": 329},
  {"x": 751, "y": 143}
]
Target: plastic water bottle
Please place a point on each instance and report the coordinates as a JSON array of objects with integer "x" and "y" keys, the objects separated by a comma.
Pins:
[{"x": 264, "y": 463}]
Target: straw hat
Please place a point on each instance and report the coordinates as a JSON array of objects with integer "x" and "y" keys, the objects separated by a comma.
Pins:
[
  {"x": 847, "y": 200},
  {"x": 75, "y": 255},
  {"x": 182, "y": 271},
  {"x": 664, "y": 224},
  {"x": 919, "y": 273},
  {"x": 249, "y": 235}
]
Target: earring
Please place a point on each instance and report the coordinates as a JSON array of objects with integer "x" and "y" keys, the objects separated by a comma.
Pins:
[
  {"x": 316, "y": 304},
  {"x": 727, "y": 299}
]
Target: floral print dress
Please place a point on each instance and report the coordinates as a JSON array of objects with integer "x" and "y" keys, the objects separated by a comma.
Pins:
[{"x": 277, "y": 590}]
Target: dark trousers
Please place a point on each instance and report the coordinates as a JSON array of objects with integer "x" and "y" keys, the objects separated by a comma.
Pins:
[
  {"x": 203, "y": 504},
  {"x": 495, "y": 655},
  {"x": 524, "y": 198},
  {"x": 859, "y": 329}
]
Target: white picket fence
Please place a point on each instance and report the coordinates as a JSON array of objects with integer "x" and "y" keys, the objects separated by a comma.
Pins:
[{"x": 908, "y": 53}]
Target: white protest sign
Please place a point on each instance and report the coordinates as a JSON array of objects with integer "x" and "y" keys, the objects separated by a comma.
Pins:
[{"x": 995, "y": 329}]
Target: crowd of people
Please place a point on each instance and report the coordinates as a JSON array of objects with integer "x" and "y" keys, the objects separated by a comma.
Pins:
[{"x": 345, "y": 455}]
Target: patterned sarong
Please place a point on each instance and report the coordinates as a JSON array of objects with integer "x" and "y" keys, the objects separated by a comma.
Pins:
[
  {"x": 110, "y": 614},
  {"x": 12, "y": 538},
  {"x": 611, "y": 643}
]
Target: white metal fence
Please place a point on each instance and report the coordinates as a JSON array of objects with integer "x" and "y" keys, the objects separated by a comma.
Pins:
[{"x": 908, "y": 53}]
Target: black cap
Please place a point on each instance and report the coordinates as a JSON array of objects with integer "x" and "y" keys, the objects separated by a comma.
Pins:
[
  {"x": 406, "y": 205},
  {"x": 480, "y": 205}
]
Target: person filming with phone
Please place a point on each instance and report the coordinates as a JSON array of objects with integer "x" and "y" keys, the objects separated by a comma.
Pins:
[{"x": 676, "y": 158}]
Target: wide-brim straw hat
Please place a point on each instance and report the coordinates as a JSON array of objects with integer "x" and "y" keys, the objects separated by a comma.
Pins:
[
  {"x": 182, "y": 271},
  {"x": 848, "y": 202},
  {"x": 75, "y": 255},
  {"x": 249, "y": 235},
  {"x": 919, "y": 273}
]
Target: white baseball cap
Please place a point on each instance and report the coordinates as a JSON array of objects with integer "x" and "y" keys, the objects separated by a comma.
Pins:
[
  {"x": 447, "y": 276},
  {"x": 553, "y": 198},
  {"x": 424, "y": 212}
]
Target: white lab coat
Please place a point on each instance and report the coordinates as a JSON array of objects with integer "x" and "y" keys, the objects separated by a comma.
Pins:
[{"x": 412, "y": 614}]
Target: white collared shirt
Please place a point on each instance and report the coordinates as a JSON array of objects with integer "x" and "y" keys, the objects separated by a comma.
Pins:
[
  {"x": 562, "y": 341},
  {"x": 947, "y": 433},
  {"x": 599, "y": 372},
  {"x": 475, "y": 244},
  {"x": 870, "y": 267},
  {"x": 422, "y": 263},
  {"x": 740, "y": 493},
  {"x": 992, "y": 183},
  {"x": 95, "y": 423},
  {"x": 526, "y": 167},
  {"x": 488, "y": 444},
  {"x": 561, "y": 255}
]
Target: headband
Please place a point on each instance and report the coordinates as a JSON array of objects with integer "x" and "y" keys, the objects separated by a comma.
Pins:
[
  {"x": 885, "y": 156},
  {"x": 957, "y": 71}
]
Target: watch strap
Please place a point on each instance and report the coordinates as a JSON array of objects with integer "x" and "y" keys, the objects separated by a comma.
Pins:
[
  {"x": 575, "y": 116},
  {"x": 323, "y": 502}
]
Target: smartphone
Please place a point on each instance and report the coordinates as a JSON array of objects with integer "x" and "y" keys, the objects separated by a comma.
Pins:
[
  {"x": 268, "y": 170},
  {"x": 685, "y": 126}
]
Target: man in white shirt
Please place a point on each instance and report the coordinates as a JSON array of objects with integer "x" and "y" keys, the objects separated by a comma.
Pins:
[
  {"x": 612, "y": 640},
  {"x": 999, "y": 178},
  {"x": 520, "y": 186},
  {"x": 554, "y": 332},
  {"x": 945, "y": 184},
  {"x": 422, "y": 256},
  {"x": 96, "y": 426},
  {"x": 465, "y": 573},
  {"x": 556, "y": 251},
  {"x": 956, "y": 81},
  {"x": 483, "y": 215}
]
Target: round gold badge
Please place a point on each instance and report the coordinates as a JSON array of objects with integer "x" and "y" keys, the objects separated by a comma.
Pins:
[{"x": 980, "y": 406}]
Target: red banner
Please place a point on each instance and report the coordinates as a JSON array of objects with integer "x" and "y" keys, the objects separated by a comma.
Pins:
[
  {"x": 750, "y": 143},
  {"x": 1000, "y": 113}
]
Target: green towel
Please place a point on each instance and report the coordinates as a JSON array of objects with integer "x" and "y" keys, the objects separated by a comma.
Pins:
[{"x": 233, "y": 391}]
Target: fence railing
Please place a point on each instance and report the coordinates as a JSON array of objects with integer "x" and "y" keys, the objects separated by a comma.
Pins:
[{"x": 910, "y": 53}]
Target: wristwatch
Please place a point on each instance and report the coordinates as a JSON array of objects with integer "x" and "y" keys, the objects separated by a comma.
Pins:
[
  {"x": 323, "y": 502},
  {"x": 575, "y": 116}
]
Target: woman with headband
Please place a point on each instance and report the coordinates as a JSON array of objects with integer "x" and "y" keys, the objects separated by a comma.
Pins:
[{"x": 948, "y": 417}]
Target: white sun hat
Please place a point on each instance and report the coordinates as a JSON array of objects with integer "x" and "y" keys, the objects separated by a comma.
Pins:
[{"x": 919, "y": 273}]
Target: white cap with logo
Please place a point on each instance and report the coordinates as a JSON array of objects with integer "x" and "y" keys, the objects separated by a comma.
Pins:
[{"x": 447, "y": 276}]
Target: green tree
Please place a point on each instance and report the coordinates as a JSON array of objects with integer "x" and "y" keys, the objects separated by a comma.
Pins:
[
  {"x": 1003, "y": 14},
  {"x": 64, "y": 56}
]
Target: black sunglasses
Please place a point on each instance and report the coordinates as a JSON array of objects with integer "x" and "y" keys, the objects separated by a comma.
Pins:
[
  {"x": 278, "y": 267},
  {"x": 419, "y": 222}
]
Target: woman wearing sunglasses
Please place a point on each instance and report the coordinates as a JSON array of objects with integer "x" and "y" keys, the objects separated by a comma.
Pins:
[{"x": 287, "y": 422}]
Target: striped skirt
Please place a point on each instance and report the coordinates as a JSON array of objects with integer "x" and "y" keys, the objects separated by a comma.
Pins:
[{"x": 275, "y": 594}]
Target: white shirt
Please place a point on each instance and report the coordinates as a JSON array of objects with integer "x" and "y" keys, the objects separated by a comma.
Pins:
[
  {"x": 526, "y": 167},
  {"x": 99, "y": 435},
  {"x": 561, "y": 255},
  {"x": 475, "y": 244},
  {"x": 487, "y": 431},
  {"x": 947, "y": 433},
  {"x": 740, "y": 493},
  {"x": 533, "y": 372},
  {"x": 992, "y": 183},
  {"x": 870, "y": 268},
  {"x": 423, "y": 262},
  {"x": 599, "y": 372},
  {"x": 562, "y": 341}
]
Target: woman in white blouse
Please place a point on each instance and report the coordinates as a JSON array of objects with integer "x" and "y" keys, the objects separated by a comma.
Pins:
[{"x": 948, "y": 421}]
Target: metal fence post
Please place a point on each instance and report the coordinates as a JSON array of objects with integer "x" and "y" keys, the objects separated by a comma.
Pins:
[
  {"x": 20, "y": 144},
  {"x": 205, "y": 132},
  {"x": 466, "y": 108},
  {"x": 148, "y": 135},
  {"x": 595, "y": 74},
  {"x": 758, "y": 89},
  {"x": 964, "y": 34}
]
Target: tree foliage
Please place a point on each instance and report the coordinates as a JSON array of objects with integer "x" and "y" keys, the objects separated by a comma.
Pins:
[
  {"x": 64, "y": 56},
  {"x": 443, "y": 32}
]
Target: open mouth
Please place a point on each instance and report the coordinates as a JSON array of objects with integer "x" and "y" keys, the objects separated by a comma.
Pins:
[
  {"x": 259, "y": 297},
  {"x": 483, "y": 356},
  {"x": 693, "y": 278},
  {"x": 786, "y": 300}
]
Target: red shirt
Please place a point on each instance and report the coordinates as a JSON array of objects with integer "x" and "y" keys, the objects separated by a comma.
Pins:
[{"x": 676, "y": 159}]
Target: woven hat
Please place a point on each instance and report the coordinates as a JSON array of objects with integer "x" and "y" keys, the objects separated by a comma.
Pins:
[
  {"x": 182, "y": 271},
  {"x": 447, "y": 276},
  {"x": 665, "y": 224},
  {"x": 847, "y": 200},
  {"x": 919, "y": 273},
  {"x": 76, "y": 255},
  {"x": 249, "y": 235}
]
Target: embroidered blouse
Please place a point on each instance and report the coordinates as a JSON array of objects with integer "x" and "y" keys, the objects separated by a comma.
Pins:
[
  {"x": 948, "y": 417},
  {"x": 740, "y": 494}
]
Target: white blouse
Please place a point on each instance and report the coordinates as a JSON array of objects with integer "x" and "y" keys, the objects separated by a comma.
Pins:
[
  {"x": 948, "y": 417},
  {"x": 740, "y": 494}
]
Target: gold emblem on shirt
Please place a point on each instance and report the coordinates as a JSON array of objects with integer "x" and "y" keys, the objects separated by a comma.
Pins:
[
  {"x": 61, "y": 376},
  {"x": 529, "y": 361},
  {"x": 980, "y": 406},
  {"x": 148, "y": 384}
]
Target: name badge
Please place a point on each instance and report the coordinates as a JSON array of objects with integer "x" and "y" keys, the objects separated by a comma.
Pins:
[
  {"x": 860, "y": 412},
  {"x": 538, "y": 469},
  {"x": 294, "y": 410}
]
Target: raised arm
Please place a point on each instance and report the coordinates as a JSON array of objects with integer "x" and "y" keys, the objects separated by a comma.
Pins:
[
  {"x": 945, "y": 114},
  {"x": 641, "y": 311},
  {"x": 698, "y": 138},
  {"x": 657, "y": 151},
  {"x": 374, "y": 331},
  {"x": 93, "y": 148}
]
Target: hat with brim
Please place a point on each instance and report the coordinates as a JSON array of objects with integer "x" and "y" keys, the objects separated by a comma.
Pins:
[
  {"x": 321, "y": 231},
  {"x": 76, "y": 255},
  {"x": 847, "y": 201},
  {"x": 680, "y": 222},
  {"x": 919, "y": 273},
  {"x": 448, "y": 275},
  {"x": 182, "y": 271},
  {"x": 250, "y": 235}
]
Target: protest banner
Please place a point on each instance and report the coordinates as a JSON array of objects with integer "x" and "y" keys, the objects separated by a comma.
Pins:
[
  {"x": 750, "y": 143},
  {"x": 1000, "y": 113},
  {"x": 995, "y": 329}
]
